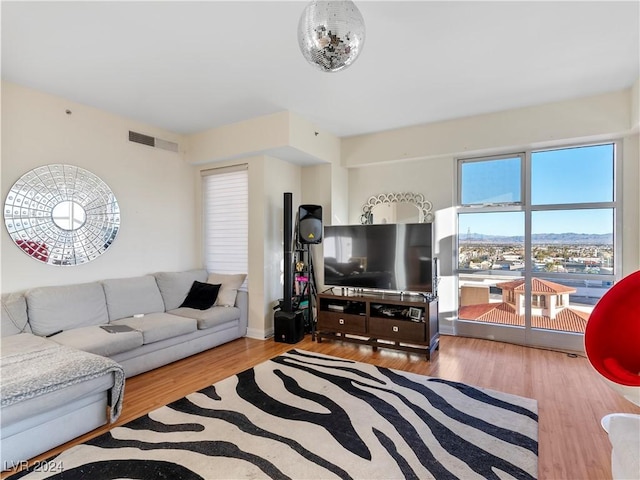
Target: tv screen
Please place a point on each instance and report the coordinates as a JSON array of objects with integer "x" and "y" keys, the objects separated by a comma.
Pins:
[{"x": 396, "y": 257}]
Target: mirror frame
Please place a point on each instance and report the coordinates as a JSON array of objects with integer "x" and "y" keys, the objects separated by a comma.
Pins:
[
  {"x": 29, "y": 215},
  {"x": 424, "y": 206}
]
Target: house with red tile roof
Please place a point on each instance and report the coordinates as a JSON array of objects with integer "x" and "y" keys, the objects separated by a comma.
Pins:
[
  {"x": 549, "y": 302},
  {"x": 547, "y": 298}
]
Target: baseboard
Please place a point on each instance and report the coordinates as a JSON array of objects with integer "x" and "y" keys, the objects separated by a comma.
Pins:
[
  {"x": 259, "y": 334},
  {"x": 446, "y": 329}
]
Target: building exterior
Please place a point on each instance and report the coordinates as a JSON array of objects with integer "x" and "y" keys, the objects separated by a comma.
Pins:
[{"x": 549, "y": 306}]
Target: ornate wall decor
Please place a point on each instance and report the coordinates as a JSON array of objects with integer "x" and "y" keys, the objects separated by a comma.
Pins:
[
  {"x": 423, "y": 207},
  {"x": 61, "y": 215}
]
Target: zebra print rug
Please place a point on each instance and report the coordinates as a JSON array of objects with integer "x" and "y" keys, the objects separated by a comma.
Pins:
[{"x": 304, "y": 415}]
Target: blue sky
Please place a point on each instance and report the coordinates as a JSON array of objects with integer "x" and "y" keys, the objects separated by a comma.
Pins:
[{"x": 574, "y": 175}]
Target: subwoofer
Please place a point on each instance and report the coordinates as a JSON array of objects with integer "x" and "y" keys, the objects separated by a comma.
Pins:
[
  {"x": 288, "y": 326},
  {"x": 310, "y": 223}
]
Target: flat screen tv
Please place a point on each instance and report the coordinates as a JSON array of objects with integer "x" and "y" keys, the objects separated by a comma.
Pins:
[{"x": 394, "y": 257}]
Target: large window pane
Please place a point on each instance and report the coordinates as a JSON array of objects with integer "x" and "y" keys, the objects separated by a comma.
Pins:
[
  {"x": 490, "y": 259},
  {"x": 573, "y": 241},
  {"x": 545, "y": 266},
  {"x": 568, "y": 242},
  {"x": 572, "y": 175},
  {"x": 491, "y": 241},
  {"x": 493, "y": 181}
]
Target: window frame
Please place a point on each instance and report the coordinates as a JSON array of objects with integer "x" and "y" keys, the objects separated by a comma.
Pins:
[
  {"x": 526, "y": 207},
  {"x": 461, "y": 161},
  {"x": 527, "y": 334}
]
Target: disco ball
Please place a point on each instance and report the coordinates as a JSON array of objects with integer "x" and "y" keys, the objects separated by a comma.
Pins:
[{"x": 331, "y": 34}]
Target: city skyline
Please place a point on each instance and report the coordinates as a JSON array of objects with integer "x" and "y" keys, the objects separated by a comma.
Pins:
[{"x": 588, "y": 221}]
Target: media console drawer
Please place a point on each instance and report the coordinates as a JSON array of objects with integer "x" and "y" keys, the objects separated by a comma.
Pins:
[
  {"x": 399, "y": 330},
  {"x": 341, "y": 322}
]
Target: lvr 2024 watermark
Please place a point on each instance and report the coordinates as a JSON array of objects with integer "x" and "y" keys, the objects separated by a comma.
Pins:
[{"x": 37, "y": 466}]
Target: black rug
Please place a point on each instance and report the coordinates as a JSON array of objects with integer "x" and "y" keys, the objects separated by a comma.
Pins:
[{"x": 309, "y": 416}]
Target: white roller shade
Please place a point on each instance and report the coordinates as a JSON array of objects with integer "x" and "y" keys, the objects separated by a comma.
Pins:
[{"x": 225, "y": 197}]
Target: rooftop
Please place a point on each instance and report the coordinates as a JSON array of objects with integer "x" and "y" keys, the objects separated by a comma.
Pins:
[{"x": 502, "y": 313}]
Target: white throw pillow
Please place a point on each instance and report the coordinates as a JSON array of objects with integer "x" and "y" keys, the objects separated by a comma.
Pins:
[{"x": 230, "y": 283}]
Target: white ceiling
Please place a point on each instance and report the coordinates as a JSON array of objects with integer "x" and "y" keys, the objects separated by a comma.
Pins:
[{"x": 190, "y": 66}]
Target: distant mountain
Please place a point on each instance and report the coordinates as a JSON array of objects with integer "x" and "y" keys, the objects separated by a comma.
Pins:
[
  {"x": 543, "y": 238},
  {"x": 482, "y": 238},
  {"x": 574, "y": 238}
]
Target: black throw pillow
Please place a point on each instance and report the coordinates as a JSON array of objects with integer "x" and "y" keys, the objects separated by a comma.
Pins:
[{"x": 201, "y": 296}]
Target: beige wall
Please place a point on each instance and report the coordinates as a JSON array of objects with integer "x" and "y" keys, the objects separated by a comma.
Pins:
[
  {"x": 534, "y": 127},
  {"x": 315, "y": 142},
  {"x": 279, "y": 177},
  {"x": 635, "y": 105},
  {"x": 631, "y": 202},
  {"x": 283, "y": 135},
  {"x": 154, "y": 187},
  {"x": 317, "y": 189},
  {"x": 239, "y": 140}
]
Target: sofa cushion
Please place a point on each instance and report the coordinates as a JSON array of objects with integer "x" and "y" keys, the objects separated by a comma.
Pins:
[
  {"x": 201, "y": 296},
  {"x": 96, "y": 340},
  {"x": 209, "y": 318},
  {"x": 22, "y": 419},
  {"x": 159, "y": 326},
  {"x": 22, "y": 342},
  {"x": 52, "y": 309},
  {"x": 174, "y": 286},
  {"x": 229, "y": 289},
  {"x": 14, "y": 318},
  {"x": 131, "y": 296}
]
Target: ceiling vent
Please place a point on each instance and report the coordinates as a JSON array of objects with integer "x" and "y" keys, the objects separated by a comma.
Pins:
[{"x": 152, "y": 141}]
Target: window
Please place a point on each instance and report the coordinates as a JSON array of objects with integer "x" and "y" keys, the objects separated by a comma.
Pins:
[
  {"x": 538, "y": 301},
  {"x": 495, "y": 181},
  {"x": 225, "y": 201},
  {"x": 542, "y": 221}
]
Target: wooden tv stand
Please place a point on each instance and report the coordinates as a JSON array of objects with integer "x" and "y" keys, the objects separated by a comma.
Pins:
[{"x": 380, "y": 320}]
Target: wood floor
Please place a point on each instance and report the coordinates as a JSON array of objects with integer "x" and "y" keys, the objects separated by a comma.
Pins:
[{"x": 571, "y": 396}]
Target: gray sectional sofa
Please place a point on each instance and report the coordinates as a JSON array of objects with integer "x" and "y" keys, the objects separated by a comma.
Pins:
[{"x": 45, "y": 330}]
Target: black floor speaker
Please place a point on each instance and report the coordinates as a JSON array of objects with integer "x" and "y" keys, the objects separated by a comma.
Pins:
[{"x": 288, "y": 326}]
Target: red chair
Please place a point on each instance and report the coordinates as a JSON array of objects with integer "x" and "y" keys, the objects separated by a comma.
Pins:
[
  {"x": 612, "y": 337},
  {"x": 612, "y": 345}
]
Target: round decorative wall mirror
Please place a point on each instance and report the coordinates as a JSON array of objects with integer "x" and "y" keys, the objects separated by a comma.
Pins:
[
  {"x": 406, "y": 207},
  {"x": 61, "y": 215}
]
